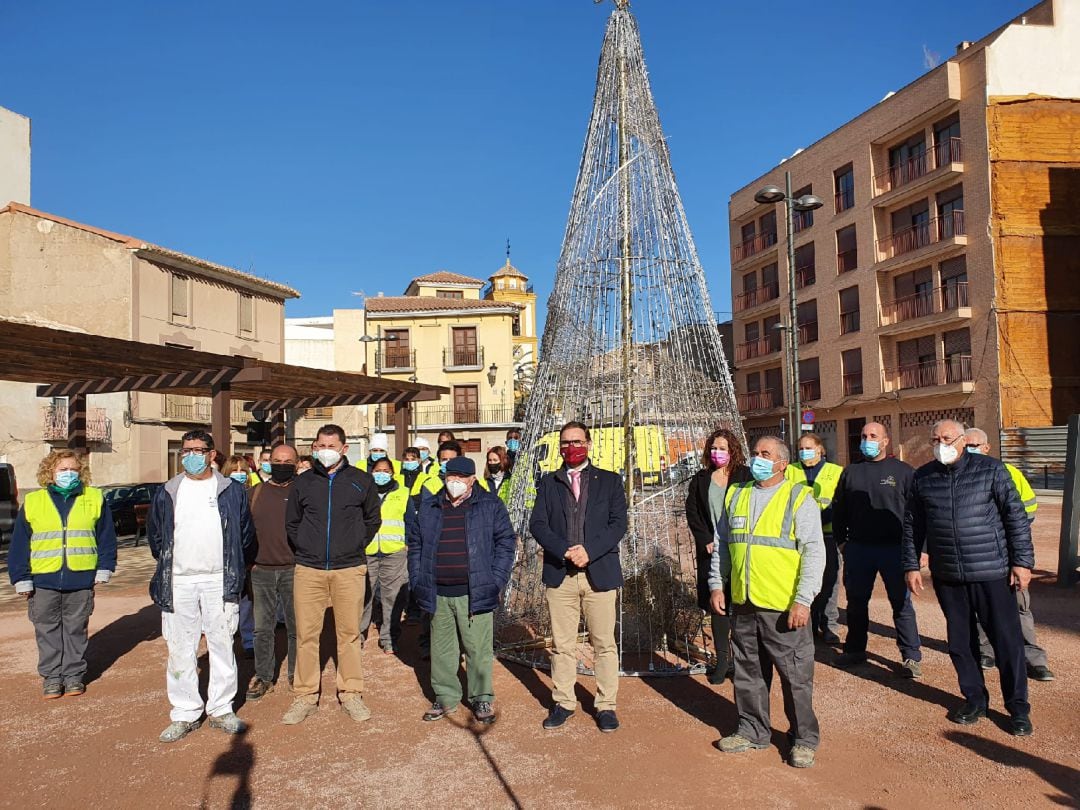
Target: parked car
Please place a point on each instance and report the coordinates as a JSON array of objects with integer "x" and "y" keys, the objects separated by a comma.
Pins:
[
  {"x": 9, "y": 502},
  {"x": 125, "y": 500}
]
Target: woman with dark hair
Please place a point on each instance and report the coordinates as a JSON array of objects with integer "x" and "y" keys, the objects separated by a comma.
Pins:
[
  {"x": 497, "y": 472},
  {"x": 723, "y": 463}
]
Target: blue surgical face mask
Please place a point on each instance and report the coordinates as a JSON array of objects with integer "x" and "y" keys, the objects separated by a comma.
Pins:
[
  {"x": 410, "y": 466},
  {"x": 377, "y": 454},
  {"x": 265, "y": 467},
  {"x": 976, "y": 450},
  {"x": 382, "y": 478},
  {"x": 194, "y": 464},
  {"x": 66, "y": 479},
  {"x": 239, "y": 477},
  {"x": 442, "y": 467},
  {"x": 807, "y": 455},
  {"x": 870, "y": 448},
  {"x": 513, "y": 445},
  {"x": 424, "y": 455},
  {"x": 761, "y": 468}
]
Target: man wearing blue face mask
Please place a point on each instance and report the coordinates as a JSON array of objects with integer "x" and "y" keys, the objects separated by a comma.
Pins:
[
  {"x": 387, "y": 562},
  {"x": 423, "y": 447},
  {"x": 868, "y": 524},
  {"x": 769, "y": 549},
  {"x": 412, "y": 470},
  {"x": 513, "y": 447},
  {"x": 379, "y": 448}
]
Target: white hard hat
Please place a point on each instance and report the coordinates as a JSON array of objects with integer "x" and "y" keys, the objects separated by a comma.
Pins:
[
  {"x": 380, "y": 441},
  {"x": 421, "y": 442}
]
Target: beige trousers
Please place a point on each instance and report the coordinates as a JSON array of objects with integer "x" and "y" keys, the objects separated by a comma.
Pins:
[
  {"x": 344, "y": 589},
  {"x": 566, "y": 605}
]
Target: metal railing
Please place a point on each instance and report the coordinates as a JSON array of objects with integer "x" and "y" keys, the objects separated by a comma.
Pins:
[
  {"x": 810, "y": 390},
  {"x": 758, "y": 295},
  {"x": 455, "y": 358},
  {"x": 948, "y": 371},
  {"x": 805, "y": 276},
  {"x": 849, "y": 322},
  {"x": 847, "y": 260},
  {"x": 54, "y": 424},
  {"x": 801, "y": 220},
  {"x": 922, "y": 234},
  {"x": 808, "y": 332},
  {"x": 438, "y": 415},
  {"x": 196, "y": 410},
  {"x": 758, "y": 401},
  {"x": 950, "y": 150},
  {"x": 945, "y": 152},
  {"x": 941, "y": 299},
  {"x": 394, "y": 359},
  {"x": 853, "y": 383},
  {"x": 844, "y": 200},
  {"x": 753, "y": 245},
  {"x": 757, "y": 348}
]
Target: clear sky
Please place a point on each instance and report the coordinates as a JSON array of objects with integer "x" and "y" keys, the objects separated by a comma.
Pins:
[{"x": 346, "y": 146}]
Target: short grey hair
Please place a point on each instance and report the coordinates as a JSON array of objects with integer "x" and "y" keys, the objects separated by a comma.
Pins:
[
  {"x": 978, "y": 434},
  {"x": 940, "y": 423},
  {"x": 782, "y": 450}
]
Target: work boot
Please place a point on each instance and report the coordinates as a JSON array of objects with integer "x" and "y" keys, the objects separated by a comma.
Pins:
[
  {"x": 299, "y": 711},
  {"x": 229, "y": 723},
  {"x": 52, "y": 691},
  {"x": 356, "y": 709},
  {"x": 74, "y": 689},
  {"x": 802, "y": 756},
  {"x": 258, "y": 687},
  {"x": 737, "y": 743},
  {"x": 178, "y": 729}
]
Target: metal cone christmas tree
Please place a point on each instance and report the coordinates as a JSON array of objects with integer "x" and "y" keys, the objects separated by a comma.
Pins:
[{"x": 630, "y": 348}]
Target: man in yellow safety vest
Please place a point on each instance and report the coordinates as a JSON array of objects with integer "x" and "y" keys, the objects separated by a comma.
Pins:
[
  {"x": 769, "y": 548},
  {"x": 387, "y": 562}
]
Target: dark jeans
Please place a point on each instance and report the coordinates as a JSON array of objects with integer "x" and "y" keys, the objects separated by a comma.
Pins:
[
  {"x": 61, "y": 620},
  {"x": 992, "y": 605},
  {"x": 267, "y": 586},
  {"x": 862, "y": 564},
  {"x": 762, "y": 641},
  {"x": 824, "y": 613}
]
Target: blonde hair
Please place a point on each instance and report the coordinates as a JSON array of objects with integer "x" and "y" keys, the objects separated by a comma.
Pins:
[
  {"x": 232, "y": 464},
  {"x": 46, "y": 471}
]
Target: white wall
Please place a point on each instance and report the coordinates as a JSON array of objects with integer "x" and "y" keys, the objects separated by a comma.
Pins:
[
  {"x": 310, "y": 342},
  {"x": 14, "y": 158},
  {"x": 1037, "y": 59}
]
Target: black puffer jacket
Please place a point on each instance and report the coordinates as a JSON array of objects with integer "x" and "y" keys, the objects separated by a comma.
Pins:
[{"x": 968, "y": 517}]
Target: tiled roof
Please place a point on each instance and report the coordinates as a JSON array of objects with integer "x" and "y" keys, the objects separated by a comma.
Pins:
[
  {"x": 152, "y": 251},
  {"x": 508, "y": 270},
  {"x": 446, "y": 277},
  {"x": 429, "y": 303}
]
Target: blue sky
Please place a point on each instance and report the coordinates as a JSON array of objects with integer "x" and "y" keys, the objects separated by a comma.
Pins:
[{"x": 345, "y": 146}]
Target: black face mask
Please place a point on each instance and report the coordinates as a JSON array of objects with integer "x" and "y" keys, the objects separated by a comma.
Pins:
[
  {"x": 282, "y": 473},
  {"x": 494, "y": 468}
]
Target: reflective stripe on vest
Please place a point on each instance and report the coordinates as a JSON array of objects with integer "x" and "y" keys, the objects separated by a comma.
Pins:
[
  {"x": 52, "y": 543},
  {"x": 1023, "y": 488},
  {"x": 765, "y": 557},
  {"x": 391, "y": 536},
  {"x": 824, "y": 485}
]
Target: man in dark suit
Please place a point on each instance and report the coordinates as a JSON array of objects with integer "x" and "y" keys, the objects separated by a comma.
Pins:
[{"x": 579, "y": 519}]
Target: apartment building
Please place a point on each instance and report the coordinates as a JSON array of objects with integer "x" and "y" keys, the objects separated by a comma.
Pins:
[{"x": 941, "y": 279}]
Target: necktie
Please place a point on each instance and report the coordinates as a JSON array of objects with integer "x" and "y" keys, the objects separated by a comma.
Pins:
[{"x": 575, "y": 483}]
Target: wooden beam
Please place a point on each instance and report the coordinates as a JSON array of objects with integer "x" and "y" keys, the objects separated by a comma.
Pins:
[
  {"x": 277, "y": 427},
  {"x": 221, "y": 418},
  {"x": 327, "y": 401},
  {"x": 76, "y": 423},
  {"x": 402, "y": 419},
  {"x": 164, "y": 381}
]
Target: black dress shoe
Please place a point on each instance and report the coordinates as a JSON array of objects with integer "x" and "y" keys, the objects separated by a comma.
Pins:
[
  {"x": 1020, "y": 725},
  {"x": 716, "y": 677},
  {"x": 1040, "y": 673},
  {"x": 557, "y": 716},
  {"x": 607, "y": 722},
  {"x": 967, "y": 714},
  {"x": 986, "y": 662}
]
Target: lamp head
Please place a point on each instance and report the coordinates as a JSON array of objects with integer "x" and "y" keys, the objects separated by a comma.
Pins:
[
  {"x": 769, "y": 195},
  {"x": 807, "y": 202}
]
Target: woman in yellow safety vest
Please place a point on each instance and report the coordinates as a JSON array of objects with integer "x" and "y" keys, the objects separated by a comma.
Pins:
[
  {"x": 62, "y": 545},
  {"x": 387, "y": 562},
  {"x": 823, "y": 476},
  {"x": 497, "y": 473}
]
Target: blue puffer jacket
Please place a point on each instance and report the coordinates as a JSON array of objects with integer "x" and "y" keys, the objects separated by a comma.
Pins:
[
  {"x": 491, "y": 546},
  {"x": 238, "y": 533},
  {"x": 968, "y": 517}
]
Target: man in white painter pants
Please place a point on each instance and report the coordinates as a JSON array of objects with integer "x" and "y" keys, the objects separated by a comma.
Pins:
[{"x": 202, "y": 537}]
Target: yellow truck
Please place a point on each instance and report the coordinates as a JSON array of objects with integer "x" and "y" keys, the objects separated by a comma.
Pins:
[{"x": 609, "y": 452}]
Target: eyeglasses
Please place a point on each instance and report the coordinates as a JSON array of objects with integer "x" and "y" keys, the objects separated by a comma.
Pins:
[
  {"x": 195, "y": 451},
  {"x": 573, "y": 443},
  {"x": 944, "y": 440}
]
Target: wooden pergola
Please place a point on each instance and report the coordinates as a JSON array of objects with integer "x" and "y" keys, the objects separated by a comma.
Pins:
[{"x": 75, "y": 364}]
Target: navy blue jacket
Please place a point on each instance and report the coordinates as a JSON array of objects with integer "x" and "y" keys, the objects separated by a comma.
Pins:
[
  {"x": 605, "y": 526},
  {"x": 968, "y": 517},
  {"x": 490, "y": 540},
  {"x": 65, "y": 579},
  {"x": 238, "y": 534}
]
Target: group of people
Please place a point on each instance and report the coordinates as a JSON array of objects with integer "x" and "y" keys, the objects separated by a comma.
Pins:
[{"x": 385, "y": 533}]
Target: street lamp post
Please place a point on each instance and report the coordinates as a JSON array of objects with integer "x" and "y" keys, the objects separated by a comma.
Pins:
[
  {"x": 807, "y": 202},
  {"x": 366, "y": 339}
]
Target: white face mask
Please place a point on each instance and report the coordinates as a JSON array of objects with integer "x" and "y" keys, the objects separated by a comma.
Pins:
[
  {"x": 328, "y": 457},
  {"x": 456, "y": 488},
  {"x": 945, "y": 453}
]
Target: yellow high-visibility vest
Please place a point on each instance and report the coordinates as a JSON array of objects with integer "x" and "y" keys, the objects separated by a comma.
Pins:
[
  {"x": 52, "y": 542},
  {"x": 764, "y": 557},
  {"x": 824, "y": 485},
  {"x": 1027, "y": 494},
  {"x": 391, "y": 536}
]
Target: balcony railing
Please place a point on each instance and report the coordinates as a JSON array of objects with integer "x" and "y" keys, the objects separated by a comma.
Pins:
[
  {"x": 801, "y": 220},
  {"x": 845, "y": 199},
  {"x": 196, "y": 410},
  {"x": 54, "y": 424},
  {"x": 951, "y": 370},
  {"x": 942, "y": 299},
  {"x": 758, "y": 401},
  {"x": 391, "y": 360},
  {"x": 809, "y": 390},
  {"x": 849, "y": 322},
  {"x": 753, "y": 245},
  {"x": 950, "y": 150},
  {"x": 919, "y": 236},
  {"x": 943, "y": 153},
  {"x": 847, "y": 260},
  {"x": 805, "y": 276},
  {"x": 439, "y": 415},
  {"x": 757, "y": 348},
  {"x": 808, "y": 332},
  {"x": 461, "y": 359},
  {"x": 853, "y": 383},
  {"x": 758, "y": 295}
]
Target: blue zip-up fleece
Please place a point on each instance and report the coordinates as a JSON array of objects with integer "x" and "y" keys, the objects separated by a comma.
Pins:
[
  {"x": 65, "y": 579},
  {"x": 489, "y": 538},
  {"x": 331, "y": 518},
  {"x": 238, "y": 533}
]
